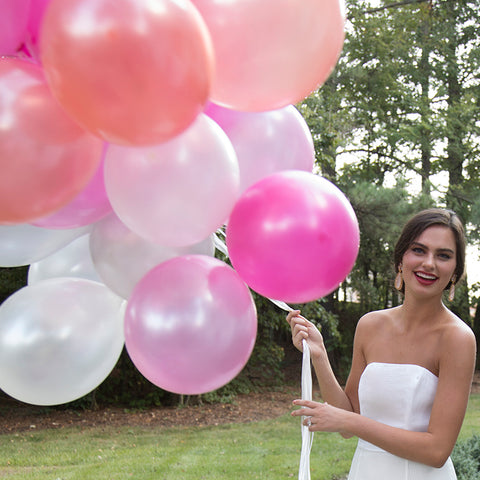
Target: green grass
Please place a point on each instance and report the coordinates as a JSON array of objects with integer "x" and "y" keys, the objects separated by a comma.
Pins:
[{"x": 261, "y": 450}]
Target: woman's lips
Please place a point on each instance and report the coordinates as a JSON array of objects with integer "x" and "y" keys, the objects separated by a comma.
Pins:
[{"x": 425, "y": 278}]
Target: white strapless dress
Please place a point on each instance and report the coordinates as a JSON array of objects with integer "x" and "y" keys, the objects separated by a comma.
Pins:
[{"x": 400, "y": 395}]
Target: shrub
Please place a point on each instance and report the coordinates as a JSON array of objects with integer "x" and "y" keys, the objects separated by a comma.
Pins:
[{"x": 466, "y": 459}]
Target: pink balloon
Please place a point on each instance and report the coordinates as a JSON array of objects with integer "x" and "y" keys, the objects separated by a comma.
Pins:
[
  {"x": 134, "y": 72},
  {"x": 271, "y": 53},
  {"x": 176, "y": 193},
  {"x": 266, "y": 142},
  {"x": 45, "y": 158},
  {"x": 35, "y": 20},
  {"x": 89, "y": 206},
  {"x": 13, "y": 24},
  {"x": 293, "y": 236},
  {"x": 190, "y": 325}
]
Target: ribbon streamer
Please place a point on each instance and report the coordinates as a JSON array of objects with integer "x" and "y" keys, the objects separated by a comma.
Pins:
[{"x": 307, "y": 435}]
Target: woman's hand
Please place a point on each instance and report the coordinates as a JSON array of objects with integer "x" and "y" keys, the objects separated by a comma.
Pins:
[
  {"x": 302, "y": 329},
  {"x": 321, "y": 417}
]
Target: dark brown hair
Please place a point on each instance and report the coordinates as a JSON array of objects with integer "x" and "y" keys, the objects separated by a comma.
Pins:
[{"x": 420, "y": 222}]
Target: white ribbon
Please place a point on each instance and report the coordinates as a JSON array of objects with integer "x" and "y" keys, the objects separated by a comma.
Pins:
[{"x": 307, "y": 435}]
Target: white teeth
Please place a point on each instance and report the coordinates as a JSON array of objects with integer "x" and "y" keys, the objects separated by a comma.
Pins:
[{"x": 426, "y": 276}]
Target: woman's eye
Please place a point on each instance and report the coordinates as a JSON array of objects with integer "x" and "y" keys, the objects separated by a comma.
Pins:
[
  {"x": 445, "y": 256},
  {"x": 417, "y": 250}
]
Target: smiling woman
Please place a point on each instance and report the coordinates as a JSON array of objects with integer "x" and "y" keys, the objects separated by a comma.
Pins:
[{"x": 419, "y": 355}]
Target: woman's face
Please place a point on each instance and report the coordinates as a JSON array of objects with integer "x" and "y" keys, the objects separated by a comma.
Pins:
[{"x": 429, "y": 263}]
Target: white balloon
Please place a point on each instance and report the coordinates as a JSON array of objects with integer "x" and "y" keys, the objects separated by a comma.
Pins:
[
  {"x": 73, "y": 260},
  {"x": 178, "y": 192},
  {"x": 122, "y": 258},
  {"x": 24, "y": 244},
  {"x": 59, "y": 339}
]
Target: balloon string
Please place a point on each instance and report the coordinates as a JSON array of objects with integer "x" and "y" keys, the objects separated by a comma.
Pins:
[{"x": 307, "y": 435}]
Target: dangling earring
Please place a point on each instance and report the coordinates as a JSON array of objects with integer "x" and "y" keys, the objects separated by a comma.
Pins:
[
  {"x": 399, "y": 279},
  {"x": 451, "y": 291}
]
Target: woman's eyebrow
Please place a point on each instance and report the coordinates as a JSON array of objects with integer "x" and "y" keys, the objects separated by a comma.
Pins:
[{"x": 419, "y": 244}]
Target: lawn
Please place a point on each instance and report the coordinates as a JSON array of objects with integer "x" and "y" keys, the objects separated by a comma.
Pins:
[{"x": 261, "y": 450}]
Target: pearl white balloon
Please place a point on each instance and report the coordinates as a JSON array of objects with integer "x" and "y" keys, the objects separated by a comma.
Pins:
[
  {"x": 59, "y": 339},
  {"x": 122, "y": 258},
  {"x": 178, "y": 192},
  {"x": 25, "y": 244},
  {"x": 73, "y": 260}
]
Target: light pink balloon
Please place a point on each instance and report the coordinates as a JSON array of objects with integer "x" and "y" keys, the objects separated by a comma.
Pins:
[
  {"x": 134, "y": 72},
  {"x": 266, "y": 142},
  {"x": 46, "y": 159},
  {"x": 190, "y": 325},
  {"x": 271, "y": 53},
  {"x": 122, "y": 258},
  {"x": 13, "y": 24},
  {"x": 176, "y": 193},
  {"x": 89, "y": 206},
  {"x": 293, "y": 236}
]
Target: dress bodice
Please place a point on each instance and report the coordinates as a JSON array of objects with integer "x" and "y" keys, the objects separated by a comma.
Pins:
[{"x": 399, "y": 395}]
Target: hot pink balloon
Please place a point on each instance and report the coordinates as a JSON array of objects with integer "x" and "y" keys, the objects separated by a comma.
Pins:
[
  {"x": 35, "y": 20},
  {"x": 176, "y": 193},
  {"x": 13, "y": 24},
  {"x": 46, "y": 159},
  {"x": 134, "y": 72},
  {"x": 89, "y": 206},
  {"x": 271, "y": 53},
  {"x": 293, "y": 236},
  {"x": 190, "y": 325},
  {"x": 266, "y": 142}
]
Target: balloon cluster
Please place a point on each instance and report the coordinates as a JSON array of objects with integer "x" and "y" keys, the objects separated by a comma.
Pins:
[{"x": 130, "y": 133}]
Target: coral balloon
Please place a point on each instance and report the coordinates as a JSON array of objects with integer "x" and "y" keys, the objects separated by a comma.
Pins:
[
  {"x": 134, "y": 72},
  {"x": 293, "y": 236},
  {"x": 73, "y": 260},
  {"x": 59, "y": 339},
  {"x": 25, "y": 244},
  {"x": 271, "y": 53},
  {"x": 45, "y": 158},
  {"x": 176, "y": 193},
  {"x": 122, "y": 258},
  {"x": 13, "y": 24},
  {"x": 88, "y": 207},
  {"x": 266, "y": 142},
  {"x": 190, "y": 325}
]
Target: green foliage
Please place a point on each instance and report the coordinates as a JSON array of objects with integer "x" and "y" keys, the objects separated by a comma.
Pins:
[
  {"x": 466, "y": 459},
  {"x": 11, "y": 280}
]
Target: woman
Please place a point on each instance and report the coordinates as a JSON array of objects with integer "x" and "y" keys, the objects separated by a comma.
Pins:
[{"x": 412, "y": 366}]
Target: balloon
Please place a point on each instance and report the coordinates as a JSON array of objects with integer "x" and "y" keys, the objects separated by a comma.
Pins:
[
  {"x": 176, "y": 193},
  {"x": 59, "y": 339},
  {"x": 271, "y": 53},
  {"x": 89, "y": 206},
  {"x": 190, "y": 325},
  {"x": 266, "y": 142},
  {"x": 35, "y": 19},
  {"x": 122, "y": 258},
  {"x": 45, "y": 158},
  {"x": 293, "y": 236},
  {"x": 73, "y": 260},
  {"x": 13, "y": 24},
  {"x": 134, "y": 72},
  {"x": 25, "y": 244}
]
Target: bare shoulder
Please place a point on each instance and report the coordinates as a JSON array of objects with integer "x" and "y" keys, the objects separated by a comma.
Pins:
[
  {"x": 458, "y": 335},
  {"x": 375, "y": 320}
]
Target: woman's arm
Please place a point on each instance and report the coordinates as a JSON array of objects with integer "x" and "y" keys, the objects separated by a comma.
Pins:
[
  {"x": 330, "y": 389},
  {"x": 457, "y": 362}
]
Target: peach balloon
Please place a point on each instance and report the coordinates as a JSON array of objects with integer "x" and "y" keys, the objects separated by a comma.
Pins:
[
  {"x": 271, "y": 53},
  {"x": 134, "y": 72},
  {"x": 45, "y": 158}
]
